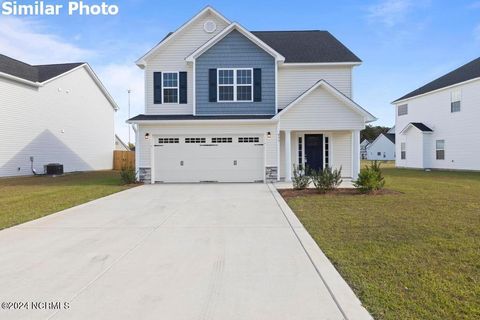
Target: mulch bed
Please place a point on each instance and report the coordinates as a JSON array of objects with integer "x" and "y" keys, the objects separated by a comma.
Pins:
[{"x": 291, "y": 193}]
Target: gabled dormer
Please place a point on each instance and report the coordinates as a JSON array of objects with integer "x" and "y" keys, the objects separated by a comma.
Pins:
[{"x": 235, "y": 74}]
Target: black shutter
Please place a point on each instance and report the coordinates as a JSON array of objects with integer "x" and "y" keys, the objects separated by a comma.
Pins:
[
  {"x": 157, "y": 87},
  {"x": 257, "y": 85},
  {"x": 212, "y": 85},
  {"x": 183, "y": 87}
]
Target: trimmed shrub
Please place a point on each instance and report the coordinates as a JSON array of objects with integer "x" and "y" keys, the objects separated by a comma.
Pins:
[
  {"x": 327, "y": 179},
  {"x": 370, "y": 179},
  {"x": 128, "y": 175},
  {"x": 300, "y": 178}
]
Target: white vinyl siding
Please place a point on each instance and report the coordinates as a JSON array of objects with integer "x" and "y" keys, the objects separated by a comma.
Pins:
[
  {"x": 172, "y": 57},
  {"x": 67, "y": 121},
  {"x": 320, "y": 110},
  {"x": 293, "y": 81}
]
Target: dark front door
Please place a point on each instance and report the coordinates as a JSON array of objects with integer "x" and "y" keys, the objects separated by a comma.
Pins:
[{"x": 314, "y": 151}]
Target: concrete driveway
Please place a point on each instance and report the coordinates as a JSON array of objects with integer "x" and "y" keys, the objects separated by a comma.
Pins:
[{"x": 185, "y": 251}]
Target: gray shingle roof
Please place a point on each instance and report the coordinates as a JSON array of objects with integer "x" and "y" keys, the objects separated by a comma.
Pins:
[
  {"x": 420, "y": 126},
  {"x": 466, "y": 72},
  {"x": 160, "y": 117},
  {"x": 34, "y": 73},
  {"x": 311, "y": 46}
]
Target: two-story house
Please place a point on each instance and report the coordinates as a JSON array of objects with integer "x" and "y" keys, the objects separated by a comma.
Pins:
[
  {"x": 55, "y": 113},
  {"x": 437, "y": 124},
  {"x": 227, "y": 104}
]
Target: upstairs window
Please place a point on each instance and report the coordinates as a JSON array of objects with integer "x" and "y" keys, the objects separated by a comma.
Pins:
[
  {"x": 440, "y": 149},
  {"x": 455, "y": 104},
  {"x": 403, "y": 151},
  {"x": 170, "y": 87},
  {"x": 235, "y": 85},
  {"x": 403, "y": 109}
]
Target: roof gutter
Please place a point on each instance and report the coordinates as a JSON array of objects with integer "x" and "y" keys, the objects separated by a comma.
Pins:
[
  {"x": 310, "y": 64},
  {"x": 200, "y": 121},
  {"x": 17, "y": 79}
]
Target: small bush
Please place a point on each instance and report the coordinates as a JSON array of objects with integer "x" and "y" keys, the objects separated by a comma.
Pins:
[
  {"x": 128, "y": 175},
  {"x": 300, "y": 178},
  {"x": 327, "y": 179},
  {"x": 370, "y": 179}
]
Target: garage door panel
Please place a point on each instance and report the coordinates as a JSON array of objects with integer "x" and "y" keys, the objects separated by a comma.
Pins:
[{"x": 223, "y": 162}]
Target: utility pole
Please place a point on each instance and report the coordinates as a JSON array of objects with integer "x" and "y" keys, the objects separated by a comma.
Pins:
[{"x": 129, "y": 92}]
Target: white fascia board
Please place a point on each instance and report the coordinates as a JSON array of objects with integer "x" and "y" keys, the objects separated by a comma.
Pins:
[
  {"x": 353, "y": 105},
  {"x": 142, "y": 61},
  {"x": 199, "y": 121},
  {"x": 101, "y": 86},
  {"x": 320, "y": 64},
  {"x": 397, "y": 102},
  {"x": 21, "y": 80},
  {"x": 121, "y": 142},
  {"x": 235, "y": 26}
]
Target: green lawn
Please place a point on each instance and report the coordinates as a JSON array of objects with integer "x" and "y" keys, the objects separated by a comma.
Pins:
[
  {"x": 413, "y": 255},
  {"x": 27, "y": 198}
]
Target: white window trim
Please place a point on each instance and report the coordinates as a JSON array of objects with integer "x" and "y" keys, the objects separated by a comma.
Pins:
[
  {"x": 436, "y": 149},
  {"x": 177, "y": 87},
  {"x": 403, "y": 148},
  {"x": 235, "y": 85},
  {"x": 456, "y": 96}
]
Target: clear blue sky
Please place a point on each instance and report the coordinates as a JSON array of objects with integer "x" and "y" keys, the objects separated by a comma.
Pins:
[{"x": 403, "y": 43}]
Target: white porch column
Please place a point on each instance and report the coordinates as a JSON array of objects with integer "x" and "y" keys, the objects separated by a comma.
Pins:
[
  {"x": 355, "y": 154},
  {"x": 288, "y": 156}
]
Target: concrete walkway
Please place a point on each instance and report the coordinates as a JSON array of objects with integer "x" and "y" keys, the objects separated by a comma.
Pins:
[{"x": 186, "y": 251}]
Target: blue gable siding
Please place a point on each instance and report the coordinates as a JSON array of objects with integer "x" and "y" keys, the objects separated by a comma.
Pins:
[{"x": 235, "y": 51}]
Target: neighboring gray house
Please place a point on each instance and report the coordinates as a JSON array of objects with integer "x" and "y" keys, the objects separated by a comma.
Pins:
[
  {"x": 382, "y": 148},
  {"x": 231, "y": 105}
]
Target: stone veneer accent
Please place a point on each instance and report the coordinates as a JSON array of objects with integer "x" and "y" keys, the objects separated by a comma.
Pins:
[
  {"x": 271, "y": 174},
  {"x": 144, "y": 175}
]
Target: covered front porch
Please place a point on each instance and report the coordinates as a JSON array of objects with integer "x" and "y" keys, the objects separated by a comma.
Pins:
[
  {"x": 319, "y": 129},
  {"x": 317, "y": 150}
]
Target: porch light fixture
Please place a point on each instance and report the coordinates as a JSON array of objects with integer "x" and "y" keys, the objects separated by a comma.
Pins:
[
  {"x": 147, "y": 136},
  {"x": 269, "y": 135}
]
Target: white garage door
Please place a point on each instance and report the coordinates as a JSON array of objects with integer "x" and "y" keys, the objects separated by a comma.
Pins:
[{"x": 209, "y": 158}]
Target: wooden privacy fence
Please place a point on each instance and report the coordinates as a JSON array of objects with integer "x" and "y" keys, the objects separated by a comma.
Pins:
[{"x": 123, "y": 159}]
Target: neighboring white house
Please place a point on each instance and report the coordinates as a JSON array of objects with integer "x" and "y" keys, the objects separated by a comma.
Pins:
[
  {"x": 437, "y": 125},
  {"x": 231, "y": 105},
  {"x": 58, "y": 113},
  {"x": 382, "y": 148},
  {"x": 120, "y": 145},
  {"x": 363, "y": 148}
]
